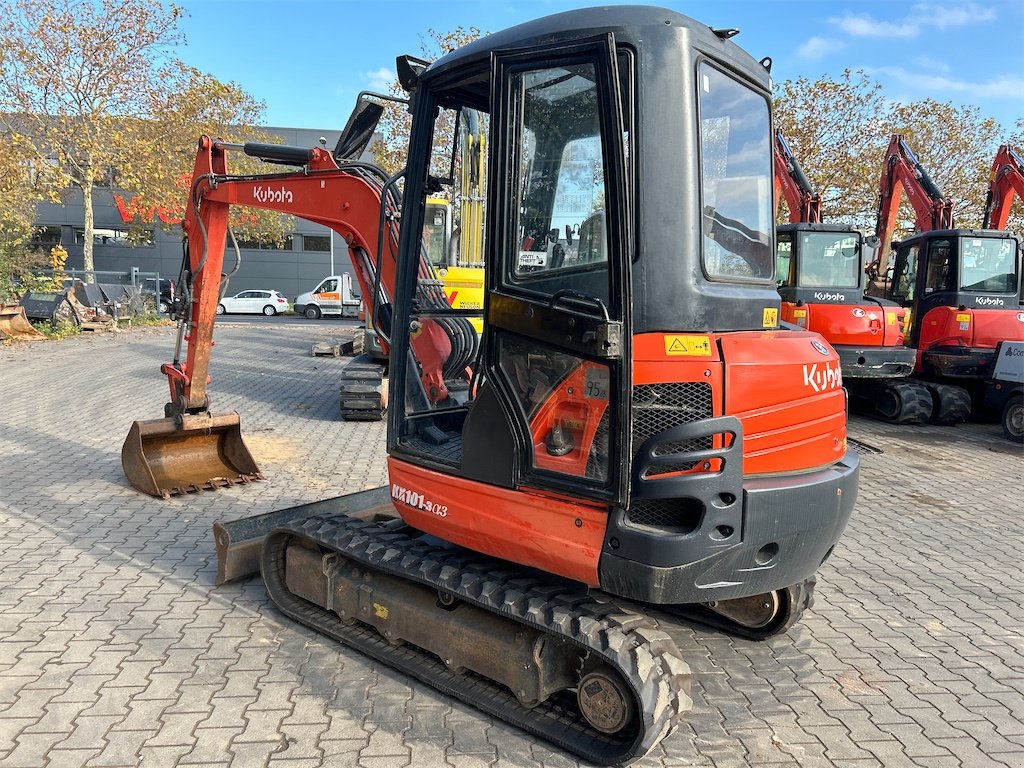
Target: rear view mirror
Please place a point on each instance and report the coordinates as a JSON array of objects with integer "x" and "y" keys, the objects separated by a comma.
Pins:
[{"x": 358, "y": 131}]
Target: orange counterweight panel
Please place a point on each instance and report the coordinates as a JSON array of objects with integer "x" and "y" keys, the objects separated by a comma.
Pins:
[
  {"x": 524, "y": 526},
  {"x": 849, "y": 324},
  {"x": 786, "y": 388},
  {"x": 975, "y": 328},
  {"x": 754, "y": 376}
]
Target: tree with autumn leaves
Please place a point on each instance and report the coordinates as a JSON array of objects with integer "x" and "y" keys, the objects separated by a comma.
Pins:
[
  {"x": 839, "y": 130},
  {"x": 91, "y": 93}
]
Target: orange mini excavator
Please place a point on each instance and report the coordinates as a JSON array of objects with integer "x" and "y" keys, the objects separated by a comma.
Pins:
[
  {"x": 819, "y": 269},
  {"x": 961, "y": 287},
  {"x": 631, "y": 424}
]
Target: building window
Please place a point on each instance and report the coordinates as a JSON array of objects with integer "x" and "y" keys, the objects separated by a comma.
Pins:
[
  {"x": 45, "y": 238},
  {"x": 256, "y": 245},
  {"x": 127, "y": 238},
  {"x": 320, "y": 243}
]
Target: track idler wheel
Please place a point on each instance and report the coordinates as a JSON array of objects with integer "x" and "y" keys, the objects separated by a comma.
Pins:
[
  {"x": 757, "y": 617},
  {"x": 951, "y": 404}
]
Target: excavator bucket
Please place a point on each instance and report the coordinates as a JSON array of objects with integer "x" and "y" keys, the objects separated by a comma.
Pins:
[
  {"x": 14, "y": 324},
  {"x": 162, "y": 457}
]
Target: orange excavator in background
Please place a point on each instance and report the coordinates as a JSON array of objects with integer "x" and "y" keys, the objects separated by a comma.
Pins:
[
  {"x": 631, "y": 424},
  {"x": 1005, "y": 182},
  {"x": 961, "y": 287},
  {"x": 822, "y": 284}
]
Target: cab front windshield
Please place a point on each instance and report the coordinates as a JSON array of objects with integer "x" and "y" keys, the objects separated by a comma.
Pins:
[
  {"x": 989, "y": 265},
  {"x": 828, "y": 260}
]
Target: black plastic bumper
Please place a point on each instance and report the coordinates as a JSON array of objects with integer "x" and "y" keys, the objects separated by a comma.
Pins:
[
  {"x": 753, "y": 536},
  {"x": 876, "y": 362},
  {"x": 958, "y": 362}
]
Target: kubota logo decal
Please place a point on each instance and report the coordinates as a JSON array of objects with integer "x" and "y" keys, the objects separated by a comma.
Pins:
[
  {"x": 1020, "y": 317},
  {"x": 822, "y": 378},
  {"x": 268, "y": 195},
  {"x": 988, "y": 301},
  {"x": 417, "y": 500},
  {"x": 826, "y": 296},
  {"x": 858, "y": 312}
]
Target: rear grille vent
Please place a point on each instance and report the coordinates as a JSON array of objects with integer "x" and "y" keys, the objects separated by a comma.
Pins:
[
  {"x": 657, "y": 407},
  {"x": 676, "y": 515}
]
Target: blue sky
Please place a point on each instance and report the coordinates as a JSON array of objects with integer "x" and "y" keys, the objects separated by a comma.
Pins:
[{"x": 308, "y": 59}]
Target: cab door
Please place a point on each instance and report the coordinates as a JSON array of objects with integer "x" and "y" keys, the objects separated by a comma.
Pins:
[
  {"x": 328, "y": 296},
  {"x": 556, "y": 337}
]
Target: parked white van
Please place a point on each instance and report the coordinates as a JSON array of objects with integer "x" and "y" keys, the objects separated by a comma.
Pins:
[{"x": 333, "y": 296}]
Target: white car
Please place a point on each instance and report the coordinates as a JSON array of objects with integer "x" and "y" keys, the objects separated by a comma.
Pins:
[{"x": 268, "y": 302}]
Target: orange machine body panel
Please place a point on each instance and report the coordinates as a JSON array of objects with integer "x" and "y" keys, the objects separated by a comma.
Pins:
[
  {"x": 524, "y": 526},
  {"x": 867, "y": 325},
  {"x": 754, "y": 376},
  {"x": 967, "y": 327}
]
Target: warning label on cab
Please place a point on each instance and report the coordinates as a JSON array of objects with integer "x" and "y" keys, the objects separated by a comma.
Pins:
[{"x": 692, "y": 346}]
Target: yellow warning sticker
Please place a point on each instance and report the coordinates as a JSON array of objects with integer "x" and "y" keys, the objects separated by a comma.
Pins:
[
  {"x": 890, "y": 318},
  {"x": 965, "y": 318},
  {"x": 799, "y": 313},
  {"x": 771, "y": 317},
  {"x": 381, "y": 611},
  {"x": 695, "y": 346}
]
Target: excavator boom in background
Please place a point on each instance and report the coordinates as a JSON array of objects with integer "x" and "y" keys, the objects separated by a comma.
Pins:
[
  {"x": 631, "y": 426},
  {"x": 792, "y": 184},
  {"x": 1005, "y": 183}
]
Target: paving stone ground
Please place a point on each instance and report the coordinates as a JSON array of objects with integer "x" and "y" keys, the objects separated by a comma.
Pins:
[{"x": 117, "y": 650}]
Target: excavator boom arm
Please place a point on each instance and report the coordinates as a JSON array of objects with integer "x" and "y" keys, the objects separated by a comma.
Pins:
[
  {"x": 903, "y": 173},
  {"x": 341, "y": 198},
  {"x": 1006, "y": 181},
  {"x": 791, "y": 182}
]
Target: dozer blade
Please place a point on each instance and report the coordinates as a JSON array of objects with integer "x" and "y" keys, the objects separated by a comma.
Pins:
[
  {"x": 239, "y": 543},
  {"x": 162, "y": 458}
]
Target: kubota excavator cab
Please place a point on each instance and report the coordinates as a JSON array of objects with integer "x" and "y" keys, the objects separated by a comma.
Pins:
[
  {"x": 962, "y": 288},
  {"x": 635, "y": 419},
  {"x": 822, "y": 282}
]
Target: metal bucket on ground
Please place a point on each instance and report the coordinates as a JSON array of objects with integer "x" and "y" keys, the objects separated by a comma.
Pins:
[
  {"x": 164, "y": 457},
  {"x": 15, "y": 325}
]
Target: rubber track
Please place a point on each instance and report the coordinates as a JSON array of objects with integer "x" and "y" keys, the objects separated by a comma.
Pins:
[
  {"x": 952, "y": 404},
  {"x": 645, "y": 656},
  {"x": 361, "y": 392}
]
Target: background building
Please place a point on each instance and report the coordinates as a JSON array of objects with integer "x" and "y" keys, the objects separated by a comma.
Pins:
[{"x": 298, "y": 266}]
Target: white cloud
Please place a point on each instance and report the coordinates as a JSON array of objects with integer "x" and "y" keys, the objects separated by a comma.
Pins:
[
  {"x": 1001, "y": 86},
  {"x": 921, "y": 16},
  {"x": 931, "y": 64},
  {"x": 946, "y": 16},
  {"x": 862, "y": 25},
  {"x": 819, "y": 47},
  {"x": 380, "y": 80}
]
